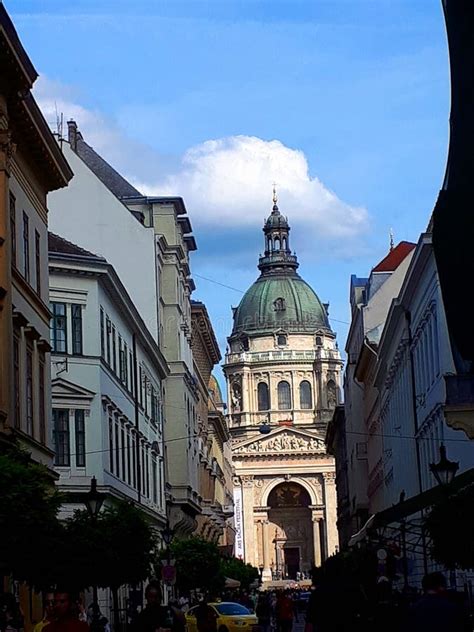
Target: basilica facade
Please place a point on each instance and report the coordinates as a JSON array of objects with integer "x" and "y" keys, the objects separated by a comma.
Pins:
[{"x": 283, "y": 370}]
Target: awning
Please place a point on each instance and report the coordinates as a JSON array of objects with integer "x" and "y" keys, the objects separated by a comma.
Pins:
[
  {"x": 411, "y": 506},
  {"x": 231, "y": 583}
]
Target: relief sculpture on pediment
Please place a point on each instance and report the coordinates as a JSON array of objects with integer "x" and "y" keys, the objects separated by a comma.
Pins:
[{"x": 286, "y": 442}]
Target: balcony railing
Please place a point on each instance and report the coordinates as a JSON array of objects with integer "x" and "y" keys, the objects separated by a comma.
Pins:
[{"x": 281, "y": 356}]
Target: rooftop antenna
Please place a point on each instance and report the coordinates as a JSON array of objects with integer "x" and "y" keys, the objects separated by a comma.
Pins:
[{"x": 391, "y": 240}]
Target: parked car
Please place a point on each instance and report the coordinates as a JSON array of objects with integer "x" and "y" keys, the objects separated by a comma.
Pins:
[{"x": 231, "y": 617}]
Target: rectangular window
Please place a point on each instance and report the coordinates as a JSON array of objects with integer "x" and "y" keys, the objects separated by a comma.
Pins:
[
  {"x": 42, "y": 398},
  {"x": 154, "y": 402},
  {"x": 145, "y": 394},
  {"x": 76, "y": 323},
  {"x": 121, "y": 360},
  {"x": 13, "y": 227},
  {"x": 129, "y": 459},
  {"x": 130, "y": 355},
  {"x": 102, "y": 334},
  {"x": 125, "y": 365},
  {"x": 16, "y": 380},
  {"x": 124, "y": 452},
  {"x": 62, "y": 455},
  {"x": 117, "y": 450},
  {"x": 107, "y": 333},
  {"x": 59, "y": 328},
  {"x": 29, "y": 389},
  {"x": 80, "y": 430},
  {"x": 111, "y": 444},
  {"x": 38, "y": 262},
  {"x": 114, "y": 350},
  {"x": 26, "y": 247},
  {"x": 134, "y": 461},
  {"x": 140, "y": 387},
  {"x": 147, "y": 478},
  {"x": 154, "y": 474}
]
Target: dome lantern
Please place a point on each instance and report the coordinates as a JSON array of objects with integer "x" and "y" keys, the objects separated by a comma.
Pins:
[{"x": 277, "y": 242}]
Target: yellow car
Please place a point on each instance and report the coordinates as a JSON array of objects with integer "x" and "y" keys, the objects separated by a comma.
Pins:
[{"x": 231, "y": 617}]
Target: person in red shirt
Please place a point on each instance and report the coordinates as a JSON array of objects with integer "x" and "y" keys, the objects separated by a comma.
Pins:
[{"x": 66, "y": 613}]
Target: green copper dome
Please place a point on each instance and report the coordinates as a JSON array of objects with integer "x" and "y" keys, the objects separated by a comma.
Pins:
[{"x": 280, "y": 301}]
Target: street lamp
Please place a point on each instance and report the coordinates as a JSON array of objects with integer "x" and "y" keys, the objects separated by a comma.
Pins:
[
  {"x": 167, "y": 534},
  {"x": 94, "y": 500},
  {"x": 444, "y": 471}
]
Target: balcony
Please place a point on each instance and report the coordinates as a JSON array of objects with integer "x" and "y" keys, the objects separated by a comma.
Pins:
[{"x": 459, "y": 406}]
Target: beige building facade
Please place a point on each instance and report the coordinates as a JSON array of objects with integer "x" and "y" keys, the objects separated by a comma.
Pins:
[{"x": 283, "y": 377}]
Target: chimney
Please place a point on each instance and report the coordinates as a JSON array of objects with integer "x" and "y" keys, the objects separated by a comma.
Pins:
[{"x": 72, "y": 134}]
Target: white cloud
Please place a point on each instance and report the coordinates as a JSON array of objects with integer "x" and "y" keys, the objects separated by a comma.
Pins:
[
  {"x": 225, "y": 182},
  {"x": 230, "y": 178}
]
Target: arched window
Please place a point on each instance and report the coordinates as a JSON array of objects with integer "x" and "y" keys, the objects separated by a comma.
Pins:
[
  {"x": 332, "y": 394},
  {"x": 276, "y": 243},
  {"x": 263, "y": 396},
  {"x": 284, "y": 244},
  {"x": 306, "y": 395},
  {"x": 284, "y": 396},
  {"x": 319, "y": 341}
]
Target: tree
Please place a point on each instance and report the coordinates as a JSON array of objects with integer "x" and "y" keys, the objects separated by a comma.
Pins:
[
  {"x": 450, "y": 525},
  {"x": 198, "y": 565},
  {"x": 29, "y": 528},
  {"x": 234, "y": 568},
  {"x": 114, "y": 549}
]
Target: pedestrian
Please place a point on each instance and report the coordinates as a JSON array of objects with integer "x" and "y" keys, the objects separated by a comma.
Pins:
[
  {"x": 66, "y": 613},
  {"x": 264, "y": 612},
  {"x": 206, "y": 617},
  {"x": 284, "y": 612},
  {"x": 436, "y": 611},
  {"x": 97, "y": 621},
  {"x": 11, "y": 617},
  {"x": 150, "y": 619},
  {"x": 48, "y": 611}
]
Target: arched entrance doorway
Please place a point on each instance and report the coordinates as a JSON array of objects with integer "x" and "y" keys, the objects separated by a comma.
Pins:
[{"x": 289, "y": 515}]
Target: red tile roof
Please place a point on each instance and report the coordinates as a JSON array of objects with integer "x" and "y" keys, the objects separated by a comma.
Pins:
[{"x": 395, "y": 257}]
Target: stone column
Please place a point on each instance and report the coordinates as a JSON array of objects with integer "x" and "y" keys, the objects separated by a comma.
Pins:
[
  {"x": 330, "y": 500},
  {"x": 248, "y": 519},
  {"x": 317, "y": 518}
]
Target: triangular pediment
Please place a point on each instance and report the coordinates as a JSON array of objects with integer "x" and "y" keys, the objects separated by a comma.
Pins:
[
  {"x": 284, "y": 440},
  {"x": 62, "y": 389}
]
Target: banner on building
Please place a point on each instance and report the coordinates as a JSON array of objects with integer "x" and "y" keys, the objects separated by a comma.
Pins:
[{"x": 238, "y": 520}]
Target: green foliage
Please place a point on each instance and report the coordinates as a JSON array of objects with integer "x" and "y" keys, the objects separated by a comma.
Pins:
[
  {"x": 198, "y": 565},
  {"x": 29, "y": 527},
  {"x": 234, "y": 568},
  {"x": 450, "y": 525},
  {"x": 115, "y": 549}
]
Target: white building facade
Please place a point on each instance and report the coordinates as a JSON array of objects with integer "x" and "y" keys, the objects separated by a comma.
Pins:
[{"x": 104, "y": 425}]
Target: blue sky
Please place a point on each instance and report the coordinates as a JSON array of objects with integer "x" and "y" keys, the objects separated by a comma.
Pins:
[{"x": 356, "y": 92}]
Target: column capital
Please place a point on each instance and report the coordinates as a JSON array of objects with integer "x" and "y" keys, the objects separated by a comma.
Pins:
[
  {"x": 329, "y": 477},
  {"x": 247, "y": 480}
]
